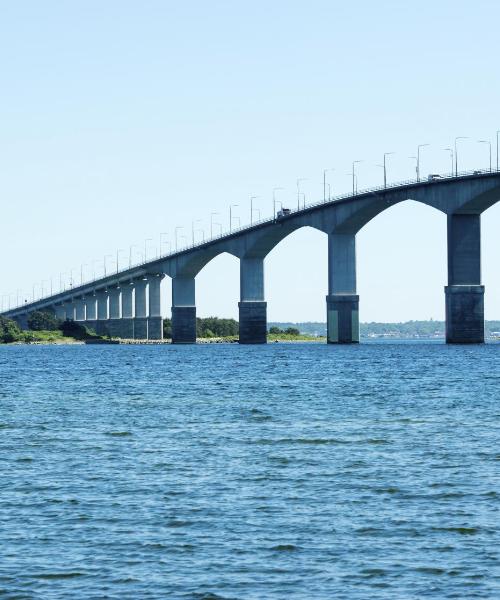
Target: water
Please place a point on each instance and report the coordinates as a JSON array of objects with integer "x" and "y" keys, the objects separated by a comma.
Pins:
[{"x": 228, "y": 472}]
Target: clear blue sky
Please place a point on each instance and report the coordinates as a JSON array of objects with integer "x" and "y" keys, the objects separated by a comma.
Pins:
[{"x": 121, "y": 120}]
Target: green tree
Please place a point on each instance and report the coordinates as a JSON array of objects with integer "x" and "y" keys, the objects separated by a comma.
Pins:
[
  {"x": 9, "y": 331},
  {"x": 43, "y": 321},
  {"x": 275, "y": 330},
  {"x": 292, "y": 331}
]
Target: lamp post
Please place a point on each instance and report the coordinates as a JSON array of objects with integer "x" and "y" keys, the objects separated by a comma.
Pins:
[
  {"x": 298, "y": 191},
  {"x": 202, "y": 234},
  {"x": 161, "y": 239},
  {"x": 450, "y": 150},
  {"x": 274, "y": 200},
  {"x": 146, "y": 248},
  {"x": 81, "y": 272},
  {"x": 231, "y": 206},
  {"x": 129, "y": 256},
  {"x": 176, "y": 237},
  {"x": 252, "y": 198},
  {"x": 418, "y": 159},
  {"x": 325, "y": 171},
  {"x": 354, "y": 186},
  {"x": 456, "y": 152},
  {"x": 329, "y": 192},
  {"x": 498, "y": 133},
  {"x": 118, "y": 259},
  {"x": 212, "y": 223},
  {"x": 385, "y": 168},
  {"x": 105, "y": 257},
  {"x": 486, "y": 142},
  {"x": 415, "y": 159},
  {"x": 192, "y": 228}
]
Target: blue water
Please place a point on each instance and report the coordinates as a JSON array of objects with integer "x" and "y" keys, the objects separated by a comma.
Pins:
[{"x": 219, "y": 471}]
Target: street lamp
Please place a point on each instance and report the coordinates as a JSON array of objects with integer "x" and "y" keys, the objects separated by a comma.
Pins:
[
  {"x": 325, "y": 171},
  {"x": 418, "y": 159},
  {"x": 385, "y": 169},
  {"x": 192, "y": 228},
  {"x": 274, "y": 200},
  {"x": 498, "y": 133},
  {"x": 212, "y": 223},
  {"x": 450, "y": 150},
  {"x": 161, "y": 237},
  {"x": 231, "y": 206},
  {"x": 129, "y": 256},
  {"x": 354, "y": 186},
  {"x": 118, "y": 259},
  {"x": 456, "y": 152},
  {"x": 298, "y": 191},
  {"x": 252, "y": 198},
  {"x": 486, "y": 142},
  {"x": 81, "y": 273},
  {"x": 146, "y": 248},
  {"x": 415, "y": 159},
  {"x": 176, "y": 239},
  {"x": 105, "y": 257}
]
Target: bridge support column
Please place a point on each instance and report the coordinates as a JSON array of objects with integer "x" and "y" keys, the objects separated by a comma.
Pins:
[
  {"x": 22, "y": 321},
  {"x": 155, "y": 320},
  {"x": 80, "y": 309},
  {"x": 127, "y": 311},
  {"x": 252, "y": 306},
  {"x": 141, "y": 308},
  {"x": 183, "y": 310},
  {"x": 114, "y": 322},
  {"x": 464, "y": 292},
  {"x": 69, "y": 307},
  {"x": 91, "y": 311},
  {"x": 60, "y": 312},
  {"x": 342, "y": 302},
  {"x": 102, "y": 312}
]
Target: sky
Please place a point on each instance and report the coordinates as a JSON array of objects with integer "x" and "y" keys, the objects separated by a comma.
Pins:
[{"x": 122, "y": 120}]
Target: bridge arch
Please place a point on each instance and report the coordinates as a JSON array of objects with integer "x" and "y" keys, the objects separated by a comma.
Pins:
[
  {"x": 407, "y": 270},
  {"x": 296, "y": 268}
]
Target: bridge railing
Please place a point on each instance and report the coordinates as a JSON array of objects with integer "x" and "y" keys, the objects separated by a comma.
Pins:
[{"x": 236, "y": 230}]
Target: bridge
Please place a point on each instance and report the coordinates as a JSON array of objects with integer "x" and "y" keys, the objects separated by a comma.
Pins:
[{"x": 127, "y": 304}]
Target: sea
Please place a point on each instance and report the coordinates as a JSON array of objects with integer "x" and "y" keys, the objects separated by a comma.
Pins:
[{"x": 227, "y": 472}]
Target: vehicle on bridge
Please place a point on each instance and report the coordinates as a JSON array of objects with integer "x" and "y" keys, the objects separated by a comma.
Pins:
[{"x": 284, "y": 212}]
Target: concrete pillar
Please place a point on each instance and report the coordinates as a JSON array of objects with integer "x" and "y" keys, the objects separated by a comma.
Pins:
[
  {"x": 342, "y": 302},
  {"x": 252, "y": 305},
  {"x": 114, "y": 322},
  {"x": 22, "y": 321},
  {"x": 155, "y": 319},
  {"x": 141, "y": 310},
  {"x": 91, "y": 311},
  {"x": 102, "y": 312},
  {"x": 128, "y": 311},
  {"x": 80, "y": 309},
  {"x": 464, "y": 292},
  {"x": 60, "y": 312},
  {"x": 69, "y": 307},
  {"x": 183, "y": 310}
]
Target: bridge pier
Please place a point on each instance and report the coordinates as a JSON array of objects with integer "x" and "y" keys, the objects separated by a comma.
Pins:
[
  {"x": 155, "y": 320},
  {"x": 342, "y": 302},
  {"x": 80, "y": 309},
  {"x": 102, "y": 312},
  {"x": 127, "y": 321},
  {"x": 69, "y": 308},
  {"x": 464, "y": 292},
  {"x": 141, "y": 315},
  {"x": 114, "y": 322},
  {"x": 60, "y": 312},
  {"x": 252, "y": 305},
  {"x": 183, "y": 310},
  {"x": 91, "y": 310}
]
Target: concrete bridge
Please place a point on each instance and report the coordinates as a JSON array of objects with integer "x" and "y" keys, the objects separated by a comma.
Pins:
[{"x": 127, "y": 304}]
